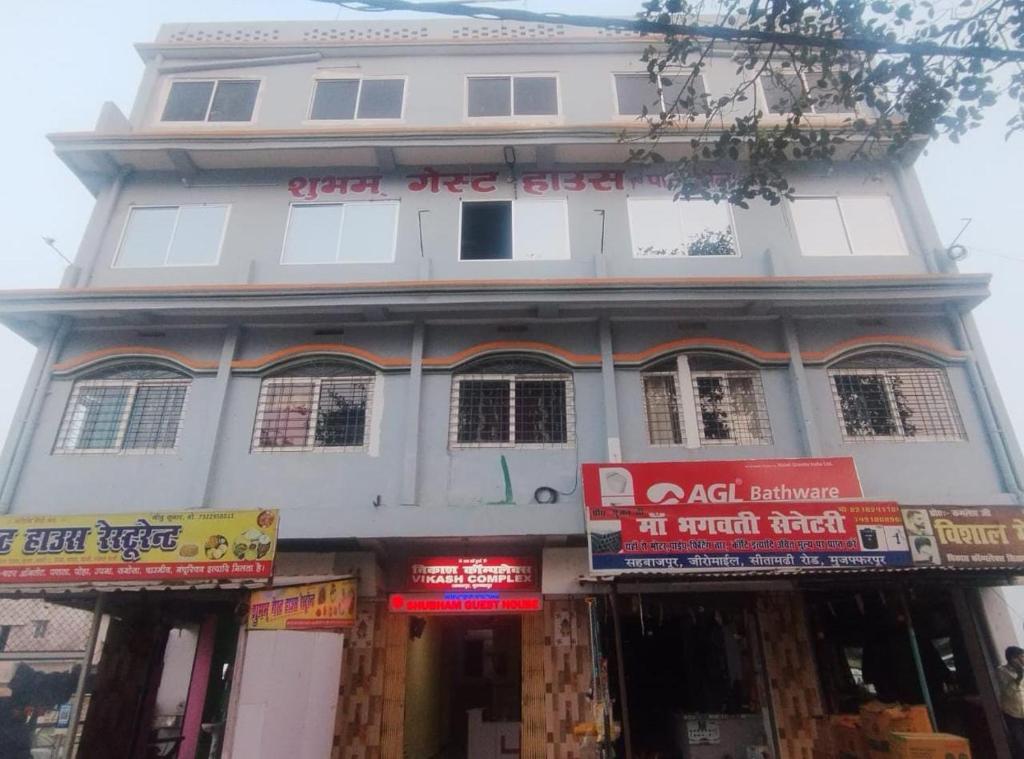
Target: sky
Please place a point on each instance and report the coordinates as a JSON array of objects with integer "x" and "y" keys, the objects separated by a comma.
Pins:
[{"x": 62, "y": 58}]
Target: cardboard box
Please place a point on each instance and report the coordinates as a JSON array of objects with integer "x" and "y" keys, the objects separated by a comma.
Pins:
[
  {"x": 879, "y": 720},
  {"x": 928, "y": 746},
  {"x": 847, "y": 738}
]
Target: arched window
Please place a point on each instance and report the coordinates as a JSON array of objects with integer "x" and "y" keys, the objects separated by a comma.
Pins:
[
  {"x": 133, "y": 407},
  {"x": 705, "y": 399},
  {"x": 314, "y": 405},
  {"x": 890, "y": 396},
  {"x": 512, "y": 402}
]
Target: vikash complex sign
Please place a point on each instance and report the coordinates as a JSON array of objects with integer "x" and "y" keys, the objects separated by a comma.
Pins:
[
  {"x": 469, "y": 585},
  {"x": 751, "y": 514}
]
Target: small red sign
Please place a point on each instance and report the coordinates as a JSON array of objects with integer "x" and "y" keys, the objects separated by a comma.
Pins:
[
  {"x": 473, "y": 573},
  {"x": 703, "y": 483},
  {"x": 464, "y": 603}
]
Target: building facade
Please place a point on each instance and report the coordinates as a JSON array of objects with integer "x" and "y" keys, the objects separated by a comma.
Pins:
[{"x": 397, "y": 281}]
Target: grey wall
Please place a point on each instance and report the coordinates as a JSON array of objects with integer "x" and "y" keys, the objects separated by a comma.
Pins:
[
  {"x": 260, "y": 202},
  {"x": 462, "y": 491}
]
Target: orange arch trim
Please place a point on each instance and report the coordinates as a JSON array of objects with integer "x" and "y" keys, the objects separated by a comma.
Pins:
[
  {"x": 523, "y": 346},
  {"x": 712, "y": 343},
  {"x": 335, "y": 349},
  {"x": 920, "y": 344},
  {"x": 140, "y": 351}
]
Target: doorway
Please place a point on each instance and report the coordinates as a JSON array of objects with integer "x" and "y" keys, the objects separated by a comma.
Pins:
[
  {"x": 694, "y": 683},
  {"x": 463, "y": 695}
]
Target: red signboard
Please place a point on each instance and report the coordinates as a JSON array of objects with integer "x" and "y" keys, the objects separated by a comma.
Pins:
[
  {"x": 464, "y": 603},
  {"x": 473, "y": 573},
  {"x": 678, "y": 483}
]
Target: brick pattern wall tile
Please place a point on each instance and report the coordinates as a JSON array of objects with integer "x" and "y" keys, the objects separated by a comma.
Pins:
[
  {"x": 357, "y": 732},
  {"x": 792, "y": 674}
]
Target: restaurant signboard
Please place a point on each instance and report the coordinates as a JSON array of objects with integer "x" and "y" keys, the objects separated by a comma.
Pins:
[
  {"x": 317, "y": 606},
  {"x": 164, "y": 547}
]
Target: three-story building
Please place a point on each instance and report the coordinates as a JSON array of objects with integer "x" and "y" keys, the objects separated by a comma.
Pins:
[{"x": 396, "y": 280}]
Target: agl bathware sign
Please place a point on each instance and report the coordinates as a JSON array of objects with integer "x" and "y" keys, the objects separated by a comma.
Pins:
[{"x": 163, "y": 547}]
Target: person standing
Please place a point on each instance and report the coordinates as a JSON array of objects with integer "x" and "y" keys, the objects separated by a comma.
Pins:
[{"x": 1010, "y": 677}]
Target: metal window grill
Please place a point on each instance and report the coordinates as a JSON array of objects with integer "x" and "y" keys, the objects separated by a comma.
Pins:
[
  {"x": 531, "y": 410},
  {"x": 731, "y": 408},
  {"x": 126, "y": 412},
  {"x": 895, "y": 404},
  {"x": 312, "y": 413},
  {"x": 661, "y": 403}
]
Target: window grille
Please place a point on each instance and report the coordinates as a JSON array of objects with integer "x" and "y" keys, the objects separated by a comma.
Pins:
[
  {"x": 135, "y": 408},
  {"x": 522, "y": 407},
  {"x": 892, "y": 402},
  {"x": 731, "y": 408},
  {"x": 728, "y": 404},
  {"x": 661, "y": 401},
  {"x": 316, "y": 407}
]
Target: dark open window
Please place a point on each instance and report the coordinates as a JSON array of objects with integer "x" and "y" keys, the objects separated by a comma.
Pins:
[{"x": 486, "y": 231}]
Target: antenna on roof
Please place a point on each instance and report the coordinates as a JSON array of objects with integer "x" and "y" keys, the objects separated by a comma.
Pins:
[{"x": 51, "y": 243}]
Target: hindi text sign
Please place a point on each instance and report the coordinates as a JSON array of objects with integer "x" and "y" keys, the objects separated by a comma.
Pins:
[
  {"x": 184, "y": 546},
  {"x": 318, "y": 606}
]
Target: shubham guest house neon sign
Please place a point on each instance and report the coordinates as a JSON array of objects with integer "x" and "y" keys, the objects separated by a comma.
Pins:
[{"x": 453, "y": 602}]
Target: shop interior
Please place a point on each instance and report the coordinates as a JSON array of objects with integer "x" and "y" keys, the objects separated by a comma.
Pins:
[
  {"x": 162, "y": 685},
  {"x": 463, "y": 687},
  {"x": 866, "y": 640},
  {"x": 693, "y": 678}
]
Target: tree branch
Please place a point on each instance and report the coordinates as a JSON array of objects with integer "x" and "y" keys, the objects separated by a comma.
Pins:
[{"x": 668, "y": 29}]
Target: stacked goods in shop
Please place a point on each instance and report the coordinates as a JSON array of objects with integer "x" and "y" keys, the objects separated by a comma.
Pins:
[
  {"x": 847, "y": 741},
  {"x": 928, "y": 746},
  {"x": 878, "y": 721}
]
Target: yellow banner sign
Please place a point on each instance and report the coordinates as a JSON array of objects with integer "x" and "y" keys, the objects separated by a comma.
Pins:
[
  {"x": 322, "y": 605},
  {"x": 182, "y": 546}
]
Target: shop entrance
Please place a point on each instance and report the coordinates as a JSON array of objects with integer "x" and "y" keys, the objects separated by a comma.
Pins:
[
  {"x": 463, "y": 695},
  {"x": 693, "y": 676}
]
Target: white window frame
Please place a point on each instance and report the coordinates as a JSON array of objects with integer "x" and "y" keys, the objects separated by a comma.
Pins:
[
  {"x": 132, "y": 385},
  {"x": 341, "y": 227},
  {"x": 540, "y": 117},
  {"x": 570, "y": 410},
  {"x": 115, "y": 263},
  {"x": 370, "y": 418},
  {"x": 512, "y": 231},
  {"x": 631, "y": 199},
  {"x": 166, "y": 94},
  {"x": 332, "y": 76},
  {"x": 761, "y": 99},
  {"x": 688, "y": 405},
  {"x": 661, "y": 95},
  {"x": 948, "y": 402},
  {"x": 897, "y": 223}
]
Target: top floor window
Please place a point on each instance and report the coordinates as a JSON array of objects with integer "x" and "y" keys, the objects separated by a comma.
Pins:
[
  {"x": 512, "y": 96},
  {"x": 347, "y": 99},
  {"x": 130, "y": 408},
  {"x": 211, "y": 100},
  {"x": 782, "y": 90},
  {"x": 858, "y": 225},
  {"x": 512, "y": 402},
  {"x": 636, "y": 94},
  {"x": 667, "y": 228},
  {"x": 699, "y": 400},
  {"x": 887, "y": 396},
  {"x": 322, "y": 405}
]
